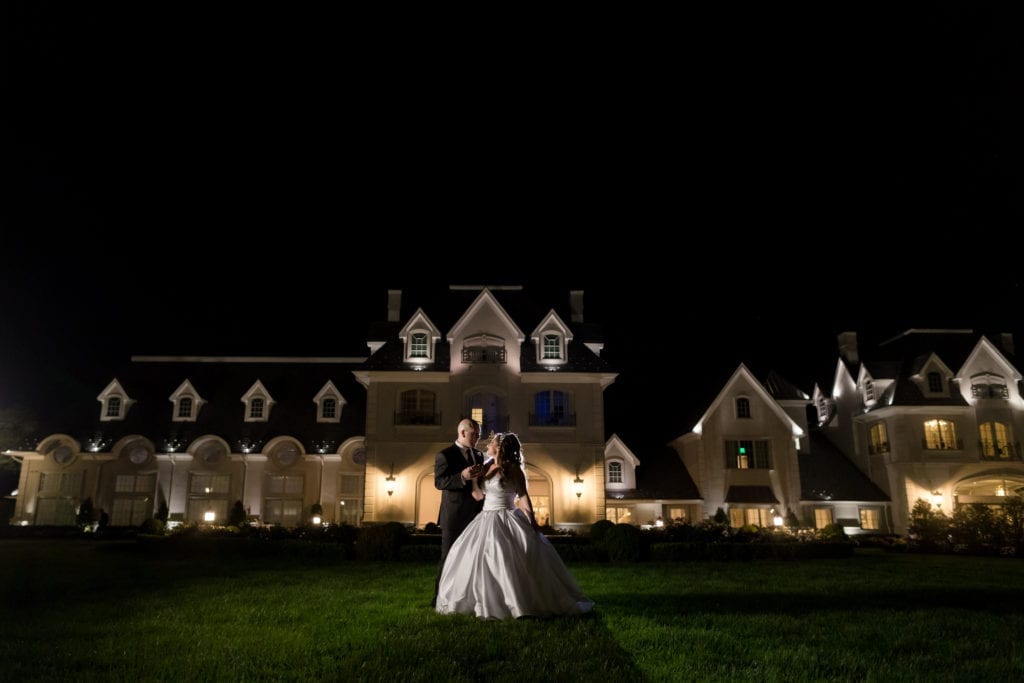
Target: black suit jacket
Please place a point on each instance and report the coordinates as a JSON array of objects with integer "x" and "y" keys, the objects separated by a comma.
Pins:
[{"x": 457, "y": 505}]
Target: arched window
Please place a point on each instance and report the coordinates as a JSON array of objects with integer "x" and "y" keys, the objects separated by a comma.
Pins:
[
  {"x": 743, "y": 407},
  {"x": 185, "y": 407},
  {"x": 615, "y": 472},
  {"x": 935, "y": 382},
  {"x": 940, "y": 435},
  {"x": 995, "y": 441},
  {"x": 416, "y": 407},
  {"x": 551, "y": 409},
  {"x": 114, "y": 406}
]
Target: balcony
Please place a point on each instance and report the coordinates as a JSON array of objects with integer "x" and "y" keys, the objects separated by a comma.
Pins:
[
  {"x": 989, "y": 391},
  {"x": 942, "y": 445},
  {"x": 483, "y": 354},
  {"x": 417, "y": 417},
  {"x": 878, "y": 449},
  {"x": 568, "y": 420},
  {"x": 1004, "y": 453}
]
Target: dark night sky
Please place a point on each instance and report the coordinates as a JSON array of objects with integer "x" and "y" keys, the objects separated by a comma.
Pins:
[{"x": 240, "y": 184}]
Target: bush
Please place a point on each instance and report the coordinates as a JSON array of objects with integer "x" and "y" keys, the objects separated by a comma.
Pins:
[
  {"x": 832, "y": 532},
  {"x": 236, "y": 516},
  {"x": 381, "y": 542},
  {"x": 431, "y": 528},
  {"x": 623, "y": 543},
  {"x": 599, "y": 530},
  {"x": 85, "y": 513},
  {"x": 152, "y": 526}
]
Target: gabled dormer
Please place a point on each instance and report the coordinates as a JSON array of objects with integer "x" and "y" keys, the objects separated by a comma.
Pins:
[
  {"x": 329, "y": 403},
  {"x": 185, "y": 402},
  {"x": 551, "y": 339},
  {"x": 619, "y": 465},
  {"x": 987, "y": 374},
  {"x": 419, "y": 340},
  {"x": 868, "y": 391},
  {"x": 933, "y": 377},
  {"x": 485, "y": 333},
  {"x": 114, "y": 402},
  {"x": 258, "y": 403},
  {"x": 743, "y": 385},
  {"x": 823, "y": 404}
]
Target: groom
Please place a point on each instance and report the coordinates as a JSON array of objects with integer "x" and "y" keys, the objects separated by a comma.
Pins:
[{"x": 455, "y": 468}]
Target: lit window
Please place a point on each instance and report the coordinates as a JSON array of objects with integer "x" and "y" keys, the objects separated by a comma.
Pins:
[
  {"x": 552, "y": 346},
  {"x": 615, "y": 472},
  {"x": 994, "y": 440},
  {"x": 823, "y": 410},
  {"x": 478, "y": 415},
  {"x": 185, "y": 407},
  {"x": 822, "y": 517},
  {"x": 869, "y": 519},
  {"x": 745, "y": 455},
  {"x": 869, "y": 391},
  {"x": 935, "y": 382},
  {"x": 742, "y": 407},
  {"x": 940, "y": 435},
  {"x": 879, "y": 440},
  {"x": 114, "y": 406},
  {"x": 619, "y": 515}
]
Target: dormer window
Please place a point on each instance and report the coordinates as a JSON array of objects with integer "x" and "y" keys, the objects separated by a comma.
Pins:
[
  {"x": 114, "y": 407},
  {"x": 824, "y": 410},
  {"x": 614, "y": 472},
  {"x": 418, "y": 345},
  {"x": 743, "y": 408},
  {"x": 419, "y": 340},
  {"x": 258, "y": 403},
  {"x": 329, "y": 403},
  {"x": 186, "y": 403},
  {"x": 484, "y": 348},
  {"x": 185, "y": 407},
  {"x": 552, "y": 347},
  {"x": 935, "y": 382},
  {"x": 869, "y": 391},
  {"x": 114, "y": 402}
]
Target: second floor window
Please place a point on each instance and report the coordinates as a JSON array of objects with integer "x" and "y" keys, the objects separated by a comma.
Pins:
[
  {"x": 329, "y": 408},
  {"x": 748, "y": 455},
  {"x": 552, "y": 346},
  {"x": 185, "y": 407},
  {"x": 256, "y": 407},
  {"x": 418, "y": 345},
  {"x": 940, "y": 435},
  {"x": 615, "y": 472},
  {"x": 995, "y": 440},
  {"x": 551, "y": 408},
  {"x": 878, "y": 439},
  {"x": 986, "y": 391},
  {"x": 114, "y": 406},
  {"x": 416, "y": 407},
  {"x": 935, "y": 382},
  {"x": 743, "y": 407}
]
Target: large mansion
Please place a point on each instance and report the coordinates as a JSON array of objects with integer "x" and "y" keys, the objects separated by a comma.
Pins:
[{"x": 934, "y": 414}]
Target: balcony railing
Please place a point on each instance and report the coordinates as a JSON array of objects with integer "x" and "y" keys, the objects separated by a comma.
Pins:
[
  {"x": 1008, "y": 451},
  {"x": 989, "y": 391},
  {"x": 880, "y": 448},
  {"x": 417, "y": 417},
  {"x": 483, "y": 355},
  {"x": 568, "y": 420},
  {"x": 942, "y": 445}
]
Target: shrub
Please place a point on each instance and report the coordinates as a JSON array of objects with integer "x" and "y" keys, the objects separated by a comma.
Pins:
[
  {"x": 832, "y": 532},
  {"x": 152, "y": 526},
  {"x": 431, "y": 528},
  {"x": 162, "y": 512},
  {"x": 85, "y": 513},
  {"x": 381, "y": 542},
  {"x": 236, "y": 516},
  {"x": 720, "y": 516},
  {"x": 623, "y": 543},
  {"x": 599, "y": 530}
]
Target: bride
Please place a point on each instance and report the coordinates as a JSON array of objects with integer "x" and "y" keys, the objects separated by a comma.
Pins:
[{"x": 501, "y": 567}]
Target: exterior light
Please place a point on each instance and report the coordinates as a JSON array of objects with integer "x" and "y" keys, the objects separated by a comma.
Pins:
[
  {"x": 389, "y": 481},
  {"x": 1001, "y": 489},
  {"x": 316, "y": 519},
  {"x": 936, "y": 499},
  {"x": 659, "y": 522},
  {"x": 777, "y": 520},
  {"x": 577, "y": 484},
  {"x": 209, "y": 516}
]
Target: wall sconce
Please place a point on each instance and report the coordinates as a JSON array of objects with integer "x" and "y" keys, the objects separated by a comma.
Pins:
[
  {"x": 389, "y": 481},
  {"x": 209, "y": 516},
  {"x": 316, "y": 520},
  {"x": 1001, "y": 489},
  {"x": 577, "y": 484},
  {"x": 936, "y": 499}
]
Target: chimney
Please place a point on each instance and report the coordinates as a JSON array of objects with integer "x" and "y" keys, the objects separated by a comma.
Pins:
[
  {"x": 1006, "y": 341},
  {"x": 576, "y": 305},
  {"x": 848, "y": 346},
  {"x": 394, "y": 305}
]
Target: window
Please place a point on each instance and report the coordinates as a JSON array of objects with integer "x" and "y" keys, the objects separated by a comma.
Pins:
[
  {"x": 416, "y": 407},
  {"x": 114, "y": 406},
  {"x": 994, "y": 390},
  {"x": 130, "y": 483},
  {"x": 256, "y": 408},
  {"x": 995, "y": 442},
  {"x": 56, "y": 511},
  {"x": 214, "y": 484},
  {"x": 551, "y": 409},
  {"x": 940, "y": 435},
  {"x": 283, "y": 504},
  {"x": 615, "y": 472},
  {"x": 869, "y": 519},
  {"x": 869, "y": 391},
  {"x": 823, "y": 410},
  {"x": 743, "y": 407},
  {"x": 350, "y": 499},
  {"x": 878, "y": 439},
  {"x": 935, "y": 382},
  {"x": 132, "y": 502},
  {"x": 745, "y": 455},
  {"x": 418, "y": 345},
  {"x": 185, "y": 407},
  {"x": 619, "y": 515},
  {"x": 552, "y": 346},
  {"x": 822, "y": 517},
  {"x": 677, "y": 514},
  {"x": 329, "y": 408}
]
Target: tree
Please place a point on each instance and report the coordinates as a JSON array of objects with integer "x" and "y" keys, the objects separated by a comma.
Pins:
[
  {"x": 791, "y": 519},
  {"x": 720, "y": 516},
  {"x": 237, "y": 515},
  {"x": 85, "y": 513}
]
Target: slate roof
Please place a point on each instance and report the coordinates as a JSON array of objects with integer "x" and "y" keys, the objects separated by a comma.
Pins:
[
  {"x": 292, "y": 386},
  {"x": 750, "y": 494},
  {"x": 781, "y": 389},
  {"x": 661, "y": 475},
  {"x": 827, "y": 474}
]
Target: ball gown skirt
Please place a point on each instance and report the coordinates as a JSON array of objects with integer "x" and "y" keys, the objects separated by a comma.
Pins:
[{"x": 501, "y": 568}]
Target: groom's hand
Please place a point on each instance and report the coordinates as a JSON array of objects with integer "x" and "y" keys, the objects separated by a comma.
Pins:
[{"x": 472, "y": 472}]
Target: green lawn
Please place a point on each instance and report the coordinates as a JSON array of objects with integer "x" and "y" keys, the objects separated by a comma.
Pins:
[{"x": 86, "y": 611}]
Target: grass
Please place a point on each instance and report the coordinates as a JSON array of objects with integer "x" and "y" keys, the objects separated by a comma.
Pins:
[{"x": 95, "y": 611}]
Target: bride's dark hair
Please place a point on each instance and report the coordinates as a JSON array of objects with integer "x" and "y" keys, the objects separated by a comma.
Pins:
[{"x": 510, "y": 453}]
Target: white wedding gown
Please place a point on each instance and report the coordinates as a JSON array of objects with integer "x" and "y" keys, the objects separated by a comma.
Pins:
[{"x": 500, "y": 568}]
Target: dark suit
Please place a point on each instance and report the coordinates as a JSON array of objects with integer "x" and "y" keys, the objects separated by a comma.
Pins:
[{"x": 458, "y": 508}]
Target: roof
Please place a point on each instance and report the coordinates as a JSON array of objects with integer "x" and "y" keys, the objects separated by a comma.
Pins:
[
  {"x": 905, "y": 392},
  {"x": 660, "y": 476},
  {"x": 750, "y": 494},
  {"x": 827, "y": 474},
  {"x": 781, "y": 389}
]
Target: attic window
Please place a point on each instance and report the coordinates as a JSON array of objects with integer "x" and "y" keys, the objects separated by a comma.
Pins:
[
  {"x": 114, "y": 406},
  {"x": 552, "y": 347},
  {"x": 823, "y": 410},
  {"x": 743, "y": 407},
  {"x": 256, "y": 409},
  {"x": 418, "y": 345},
  {"x": 185, "y": 407},
  {"x": 615, "y": 472},
  {"x": 935, "y": 382},
  {"x": 329, "y": 408},
  {"x": 869, "y": 391}
]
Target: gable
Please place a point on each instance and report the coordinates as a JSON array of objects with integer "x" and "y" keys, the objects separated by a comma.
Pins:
[
  {"x": 486, "y": 315},
  {"x": 743, "y": 383}
]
